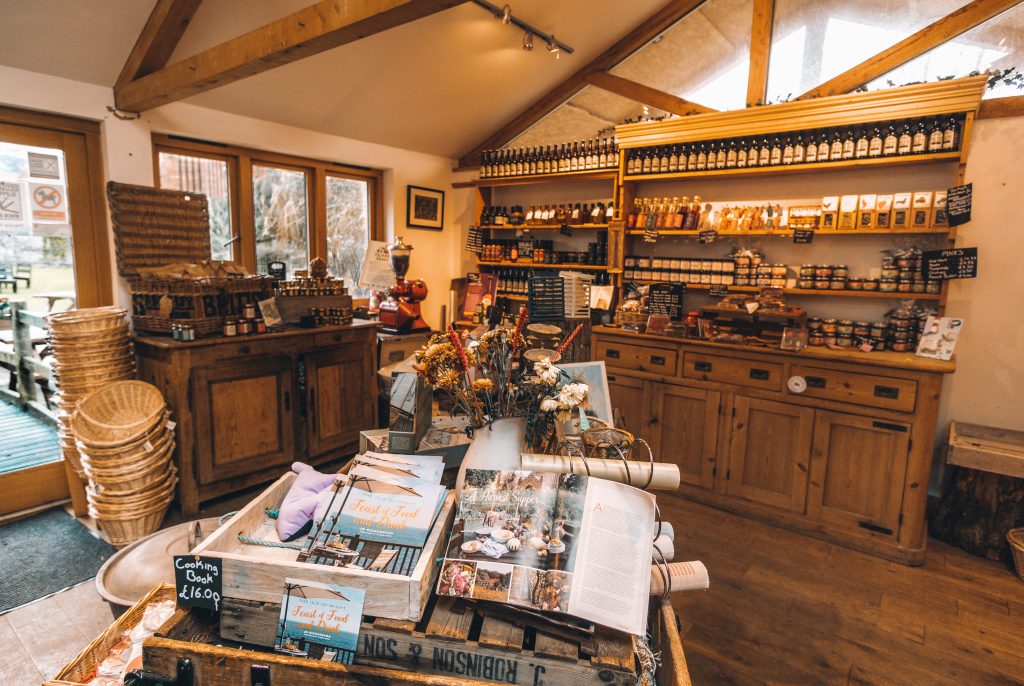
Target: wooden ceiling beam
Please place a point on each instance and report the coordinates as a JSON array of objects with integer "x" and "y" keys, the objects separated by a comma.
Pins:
[
  {"x": 164, "y": 28},
  {"x": 649, "y": 29},
  {"x": 645, "y": 94},
  {"x": 952, "y": 25},
  {"x": 310, "y": 31},
  {"x": 997, "y": 108},
  {"x": 760, "y": 49}
]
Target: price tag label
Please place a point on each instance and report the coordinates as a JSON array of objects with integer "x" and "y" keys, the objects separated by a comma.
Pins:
[
  {"x": 956, "y": 263},
  {"x": 803, "y": 235},
  {"x": 565, "y": 230},
  {"x": 718, "y": 291},
  {"x": 707, "y": 236},
  {"x": 199, "y": 581}
]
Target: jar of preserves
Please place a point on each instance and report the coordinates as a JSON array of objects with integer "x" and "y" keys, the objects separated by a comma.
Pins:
[
  {"x": 862, "y": 329},
  {"x": 844, "y": 327},
  {"x": 844, "y": 341},
  {"x": 878, "y": 329},
  {"x": 829, "y": 326},
  {"x": 904, "y": 286},
  {"x": 823, "y": 271},
  {"x": 838, "y": 284},
  {"x": 887, "y": 285},
  {"x": 934, "y": 286},
  {"x": 822, "y": 284},
  {"x": 840, "y": 270},
  {"x": 815, "y": 338},
  {"x": 814, "y": 323},
  {"x": 805, "y": 283},
  {"x": 855, "y": 283},
  {"x": 871, "y": 284},
  {"x": 890, "y": 272},
  {"x": 807, "y": 271}
]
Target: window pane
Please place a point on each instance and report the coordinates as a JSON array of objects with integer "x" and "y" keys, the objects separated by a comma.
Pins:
[
  {"x": 210, "y": 177},
  {"x": 996, "y": 44},
  {"x": 815, "y": 40},
  {"x": 348, "y": 229},
  {"x": 281, "y": 217}
]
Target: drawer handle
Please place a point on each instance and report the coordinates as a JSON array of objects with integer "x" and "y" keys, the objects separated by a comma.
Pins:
[
  {"x": 702, "y": 366},
  {"x": 874, "y": 527},
  {"x": 815, "y": 381},
  {"x": 245, "y": 350},
  {"x": 760, "y": 374},
  {"x": 889, "y": 427},
  {"x": 611, "y": 378},
  {"x": 658, "y": 359},
  {"x": 612, "y": 353},
  {"x": 887, "y": 392},
  {"x": 652, "y": 421}
]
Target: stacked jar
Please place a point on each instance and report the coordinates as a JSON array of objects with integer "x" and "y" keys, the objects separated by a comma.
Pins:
[
  {"x": 747, "y": 264},
  {"x": 697, "y": 271}
]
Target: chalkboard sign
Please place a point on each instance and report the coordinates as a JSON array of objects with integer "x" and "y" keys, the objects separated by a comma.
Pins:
[
  {"x": 526, "y": 248},
  {"x": 718, "y": 291},
  {"x": 955, "y": 263},
  {"x": 199, "y": 581},
  {"x": 565, "y": 230},
  {"x": 651, "y": 234},
  {"x": 958, "y": 204},
  {"x": 803, "y": 235},
  {"x": 667, "y": 298},
  {"x": 707, "y": 236},
  {"x": 277, "y": 270}
]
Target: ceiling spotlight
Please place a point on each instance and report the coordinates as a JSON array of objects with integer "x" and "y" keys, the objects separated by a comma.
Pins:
[
  {"x": 506, "y": 14},
  {"x": 553, "y": 47},
  {"x": 528, "y": 41}
]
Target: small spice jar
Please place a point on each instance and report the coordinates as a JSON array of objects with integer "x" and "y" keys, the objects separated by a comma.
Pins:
[
  {"x": 176, "y": 332},
  {"x": 871, "y": 284},
  {"x": 815, "y": 338},
  {"x": 806, "y": 284},
  {"x": 779, "y": 271},
  {"x": 878, "y": 343},
  {"x": 904, "y": 286},
  {"x": 829, "y": 339},
  {"x": 807, "y": 271},
  {"x": 844, "y": 340},
  {"x": 829, "y": 326},
  {"x": 890, "y": 272},
  {"x": 261, "y": 326},
  {"x": 814, "y": 323},
  {"x": 878, "y": 329},
  {"x": 840, "y": 270},
  {"x": 822, "y": 284},
  {"x": 862, "y": 329},
  {"x": 249, "y": 311},
  {"x": 855, "y": 283},
  {"x": 823, "y": 271},
  {"x": 845, "y": 327},
  {"x": 887, "y": 285},
  {"x": 230, "y": 328},
  {"x": 838, "y": 284}
]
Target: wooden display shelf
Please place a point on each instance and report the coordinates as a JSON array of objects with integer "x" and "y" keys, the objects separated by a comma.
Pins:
[
  {"x": 803, "y": 291},
  {"x": 589, "y": 175},
  {"x": 525, "y": 227},
  {"x": 513, "y": 296},
  {"x": 542, "y": 265},
  {"x": 930, "y": 230},
  {"x": 902, "y": 160}
]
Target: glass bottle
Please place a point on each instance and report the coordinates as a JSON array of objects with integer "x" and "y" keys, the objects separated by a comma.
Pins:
[
  {"x": 753, "y": 153},
  {"x": 691, "y": 158},
  {"x": 647, "y": 161},
  {"x": 741, "y": 154},
  {"x": 906, "y": 140},
  {"x": 951, "y": 134},
  {"x": 693, "y": 214},
  {"x": 891, "y": 142},
  {"x": 702, "y": 157},
  {"x": 663, "y": 166},
  {"x": 811, "y": 149},
  {"x": 722, "y": 156},
  {"x": 787, "y": 151},
  {"x": 849, "y": 145},
  {"x": 875, "y": 144},
  {"x": 775, "y": 158},
  {"x": 862, "y": 143},
  {"x": 764, "y": 154},
  {"x": 920, "y": 139},
  {"x": 934, "y": 136},
  {"x": 836, "y": 148},
  {"x": 799, "y": 150},
  {"x": 824, "y": 147},
  {"x": 673, "y": 159}
]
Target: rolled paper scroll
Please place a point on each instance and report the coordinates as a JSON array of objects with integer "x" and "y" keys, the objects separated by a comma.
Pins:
[
  {"x": 665, "y": 475},
  {"x": 683, "y": 576},
  {"x": 666, "y": 546}
]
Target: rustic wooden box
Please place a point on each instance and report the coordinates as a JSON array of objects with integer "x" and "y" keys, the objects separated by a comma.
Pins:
[{"x": 254, "y": 575}]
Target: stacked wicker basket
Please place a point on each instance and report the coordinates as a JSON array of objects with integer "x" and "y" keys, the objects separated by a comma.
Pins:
[
  {"x": 91, "y": 347},
  {"x": 125, "y": 439}
]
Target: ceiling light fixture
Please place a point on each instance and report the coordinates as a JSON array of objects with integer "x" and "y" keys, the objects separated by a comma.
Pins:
[{"x": 505, "y": 16}]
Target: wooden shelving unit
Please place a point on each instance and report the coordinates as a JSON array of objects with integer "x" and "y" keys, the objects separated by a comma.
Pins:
[
  {"x": 542, "y": 265},
  {"x": 543, "y": 227},
  {"x": 818, "y": 233},
  {"x": 847, "y": 293},
  {"x": 497, "y": 182}
]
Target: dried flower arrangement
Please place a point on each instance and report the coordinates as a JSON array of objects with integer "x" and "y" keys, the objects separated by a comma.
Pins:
[{"x": 494, "y": 377}]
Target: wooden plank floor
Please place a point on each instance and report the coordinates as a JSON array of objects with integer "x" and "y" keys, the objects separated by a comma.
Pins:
[
  {"x": 25, "y": 440},
  {"x": 788, "y": 609}
]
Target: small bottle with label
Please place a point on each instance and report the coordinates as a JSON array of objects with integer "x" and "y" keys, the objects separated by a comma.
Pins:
[
  {"x": 875, "y": 144},
  {"x": 849, "y": 145},
  {"x": 906, "y": 140},
  {"x": 919, "y": 142},
  {"x": 891, "y": 142},
  {"x": 862, "y": 144}
]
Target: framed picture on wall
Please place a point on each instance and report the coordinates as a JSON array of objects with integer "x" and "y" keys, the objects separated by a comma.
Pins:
[{"x": 424, "y": 208}]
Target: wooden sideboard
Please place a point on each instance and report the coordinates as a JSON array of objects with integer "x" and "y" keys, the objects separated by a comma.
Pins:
[
  {"x": 247, "y": 407},
  {"x": 846, "y": 460}
]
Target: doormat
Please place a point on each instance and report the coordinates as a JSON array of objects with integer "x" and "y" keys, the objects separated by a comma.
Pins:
[{"x": 44, "y": 554}]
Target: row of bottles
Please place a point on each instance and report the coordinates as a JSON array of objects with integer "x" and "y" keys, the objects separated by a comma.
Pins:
[
  {"x": 665, "y": 213},
  {"x": 540, "y": 215},
  {"x": 908, "y": 137},
  {"x": 596, "y": 153},
  {"x": 543, "y": 251},
  {"x": 516, "y": 281}
]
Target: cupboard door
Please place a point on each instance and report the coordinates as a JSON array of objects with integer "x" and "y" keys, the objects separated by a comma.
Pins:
[
  {"x": 627, "y": 396},
  {"x": 243, "y": 417},
  {"x": 340, "y": 400},
  {"x": 685, "y": 431},
  {"x": 771, "y": 445},
  {"x": 858, "y": 469}
]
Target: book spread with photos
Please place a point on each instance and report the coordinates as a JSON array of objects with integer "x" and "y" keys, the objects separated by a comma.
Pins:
[
  {"x": 319, "y": 621},
  {"x": 379, "y": 516},
  {"x": 553, "y": 542}
]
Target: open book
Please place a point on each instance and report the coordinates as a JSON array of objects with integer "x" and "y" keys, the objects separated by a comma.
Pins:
[{"x": 553, "y": 542}]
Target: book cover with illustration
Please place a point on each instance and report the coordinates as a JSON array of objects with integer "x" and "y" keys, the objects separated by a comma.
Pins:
[
  {"x": 555, "y": 543},
  {"x": 319, "y": 621}
]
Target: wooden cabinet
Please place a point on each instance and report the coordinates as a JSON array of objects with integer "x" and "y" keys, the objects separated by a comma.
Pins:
[
  {"x": 771, "y": 445},
  {"x": 857, "y": 472},
  {"x": 843, "y": 453},
  {"x": 247, "y": 407}
]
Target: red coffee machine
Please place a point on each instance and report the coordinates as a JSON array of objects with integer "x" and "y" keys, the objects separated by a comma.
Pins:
[{"x": 400, "y": 313}]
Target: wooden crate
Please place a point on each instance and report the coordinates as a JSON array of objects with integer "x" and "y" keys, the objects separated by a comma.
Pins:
[
  {"x": 81, "y": 669},
  {"x": 254, "y": 575},
  {"x": 1000, "y": 451},
  {"x": 447, "y": 648}
]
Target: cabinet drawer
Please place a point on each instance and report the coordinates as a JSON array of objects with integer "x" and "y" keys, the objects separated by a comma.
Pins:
[
  {"x": 861, "y": 389},
  {"x": 749, "y": 373},
  {"x": 329, "y": 338},
  {"x": 639, "y": 357}
]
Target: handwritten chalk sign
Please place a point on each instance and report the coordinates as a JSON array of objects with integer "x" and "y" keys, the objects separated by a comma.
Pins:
[
  {"x": 718, "y": 291},
  {"x": 565, "y": 230},
  {"x": 199, "y": 581},
  {"x": 803, "y": 235},
  {"x": 955, "y": 263},
  {"x": 958, "y": 204},
  {"x": 707, "y": 236},
  {"x": 667, "y": 299}
]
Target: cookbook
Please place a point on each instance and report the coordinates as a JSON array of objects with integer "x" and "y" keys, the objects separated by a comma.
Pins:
[
  {"x": 553, "y": 542},
  {"x": 319, "y": 621}
]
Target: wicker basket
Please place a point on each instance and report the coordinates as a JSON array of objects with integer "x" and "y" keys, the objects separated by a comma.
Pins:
[
  {"x": 607, "y": 442},
  {"x": 165, "y": 473},
  {"x": 92, "y": 320},
  {"x": 112, "y": 505},
  {"x": 124, "y": 406},
  {"x": 1015, "y": 537},
  {"x": 124, "y": 467},
  {"x": 122, "y": 529}
]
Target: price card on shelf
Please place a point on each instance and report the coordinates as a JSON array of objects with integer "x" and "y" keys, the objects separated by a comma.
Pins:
[
  {"x": 199, "y": 581},
  {"x": 958, "y": 204},
  {"x": 718, "y": 291},
  {"x": 667, "y": 299},
  {"x": 803, "y": 235},
  {"x": 707, "y": 236},
  {"x": 955, "y": 263}
]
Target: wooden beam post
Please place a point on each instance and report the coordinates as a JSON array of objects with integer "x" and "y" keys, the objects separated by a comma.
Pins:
[
  {"x": 996, "y": 108},
  {"x": 310, "y": 31},
  {"x": 164, "y": 28},
  {"x": 760, "y": 50},
  {"x": 952, "y": 25},
  {"x": 646, "y": 31},
  {"x": 645, "y": 94}
]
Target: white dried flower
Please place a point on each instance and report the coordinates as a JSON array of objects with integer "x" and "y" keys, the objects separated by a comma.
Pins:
[
  {"x": 573, "y": 395},
  {"x": 549, "y": 405},
  {"x": 547, "y": 372}
]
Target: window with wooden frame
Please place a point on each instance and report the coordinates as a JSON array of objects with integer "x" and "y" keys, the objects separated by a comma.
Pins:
[{"x": 267, "y": 207}]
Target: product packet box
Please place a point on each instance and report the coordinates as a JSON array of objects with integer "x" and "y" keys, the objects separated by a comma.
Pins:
[
  {"x": 901, "y": 210},
  {"x": 866, "y": 211},
  {"x": 829, "y": 211},
  {"x": 940, "y": 217},
  {"x": 883, "y": 211},
  {"x": 847, "y": 212},
  {"x": 921, "y": 212}
]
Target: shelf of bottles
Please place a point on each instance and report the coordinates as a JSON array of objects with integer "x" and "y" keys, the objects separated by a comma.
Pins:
[
  {"x": 514, "y": 283},
  {"x": 596, "y": 154},
  {"x": 910, "y": 141},
  {"x": 552, "y": 216}
]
